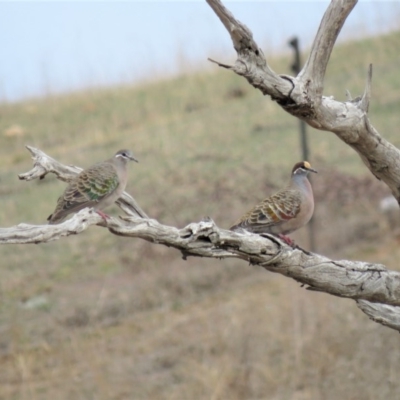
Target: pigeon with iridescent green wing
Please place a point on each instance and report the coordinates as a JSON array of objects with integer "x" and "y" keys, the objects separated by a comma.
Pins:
[{"x": 98, "y": 186}]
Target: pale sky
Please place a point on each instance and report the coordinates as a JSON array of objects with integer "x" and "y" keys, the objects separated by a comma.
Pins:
[{"x": 55, "y": 46}]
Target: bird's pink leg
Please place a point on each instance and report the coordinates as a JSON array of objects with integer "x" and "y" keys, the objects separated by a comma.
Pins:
[
  {"x": 104, "y": 216},
  {"x": 287, "y": 239}
]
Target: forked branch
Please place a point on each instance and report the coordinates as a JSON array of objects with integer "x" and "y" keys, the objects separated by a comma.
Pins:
[{"x": 302, "y": 96}]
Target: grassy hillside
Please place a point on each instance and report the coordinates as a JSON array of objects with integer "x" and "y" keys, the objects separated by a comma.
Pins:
[{"x": 102, "y": 317}]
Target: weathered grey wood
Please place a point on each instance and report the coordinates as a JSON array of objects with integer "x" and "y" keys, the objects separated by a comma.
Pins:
[
  {"x": 302, "y": 96},
  {"x": 381, "y": 313},
  {"x": 313, "y": 72},
  {"x": 35, "y": 234},
  {"x": 251, "y": 62}
]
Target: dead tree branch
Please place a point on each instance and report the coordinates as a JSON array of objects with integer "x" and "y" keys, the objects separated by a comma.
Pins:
[
  {"x": 302, "y": 96},
  {"x": 381, "y": 313},
  {"x": 351, "y": 279}
]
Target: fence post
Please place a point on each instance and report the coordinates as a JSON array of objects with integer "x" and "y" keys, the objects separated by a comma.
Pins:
[{"x": 296, "y": 67}]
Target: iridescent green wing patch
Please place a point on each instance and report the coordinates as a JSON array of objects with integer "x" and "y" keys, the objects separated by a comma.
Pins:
[
  {"x": 98, "y": 182},
  {"x": 90, "y": 186}
]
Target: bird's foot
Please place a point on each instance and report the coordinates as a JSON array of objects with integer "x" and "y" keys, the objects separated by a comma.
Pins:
[
  {"x": 292, "y": 244},
  {"x": 287, "y": 240},
  {"x": 102, "y": 215}
]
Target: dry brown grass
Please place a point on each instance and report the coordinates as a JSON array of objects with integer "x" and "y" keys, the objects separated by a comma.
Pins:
[{"x": 103, "y": 317}]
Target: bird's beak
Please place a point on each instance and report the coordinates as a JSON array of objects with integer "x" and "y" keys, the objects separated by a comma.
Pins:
[
  {"x": 133, "y": 159},
  {"x": 312, "y": 170}
]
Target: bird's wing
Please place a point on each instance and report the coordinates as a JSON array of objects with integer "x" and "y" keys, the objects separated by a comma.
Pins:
[
  {"x": 273, "y": 211},
  {"x": 88, "y": 189},
  {"x": 94, "y": 184}
]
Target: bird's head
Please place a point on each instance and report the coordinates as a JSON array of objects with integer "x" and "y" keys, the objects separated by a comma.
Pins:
[
  {"x": 302, "y": 168},
  {"x": 125, "y": 156}
]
